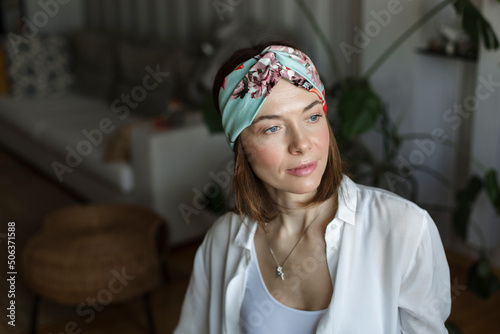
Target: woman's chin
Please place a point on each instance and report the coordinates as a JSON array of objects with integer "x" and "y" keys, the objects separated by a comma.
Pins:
[{"x": 299, "y": 188}]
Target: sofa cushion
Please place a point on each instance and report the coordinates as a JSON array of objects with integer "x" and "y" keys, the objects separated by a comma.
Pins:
[
  {"x": 39, "y": 66},
  {"x": 148, "y": 92},
  {"x": 95, "y": 60}
]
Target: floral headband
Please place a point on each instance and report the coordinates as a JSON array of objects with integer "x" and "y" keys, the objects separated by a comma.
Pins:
[{"x": 246, "y": 88}]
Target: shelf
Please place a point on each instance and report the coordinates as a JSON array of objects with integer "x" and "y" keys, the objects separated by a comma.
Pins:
[{"x": 427, "y": 52}]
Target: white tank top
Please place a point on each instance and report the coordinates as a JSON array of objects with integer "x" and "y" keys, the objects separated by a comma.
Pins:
[{"x": 261, "y": 313}]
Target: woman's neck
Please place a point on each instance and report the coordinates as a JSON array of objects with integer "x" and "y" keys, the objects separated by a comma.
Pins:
[{"x": 293, "y": 220}]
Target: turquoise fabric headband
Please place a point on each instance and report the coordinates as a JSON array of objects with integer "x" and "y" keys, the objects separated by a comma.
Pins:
[{"x": 246, "y": 88}]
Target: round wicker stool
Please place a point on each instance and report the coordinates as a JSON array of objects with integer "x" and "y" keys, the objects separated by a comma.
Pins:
[{"x": 108, "y": 252}]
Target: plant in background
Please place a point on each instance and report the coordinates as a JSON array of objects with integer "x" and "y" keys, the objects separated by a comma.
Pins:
[{"x": 217, "y": 202}]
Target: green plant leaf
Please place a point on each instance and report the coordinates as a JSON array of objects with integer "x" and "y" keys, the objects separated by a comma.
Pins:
[
  {"x": 212, "y": 118},
  {"x": 481, "y": 280},
  {"x": 465, "y": 198},
  {"x": 217, "y": 199},
  {"x": 491, "y": 183},
  {"x": 336, "y": 89},
  {"x": 474, "y": 23},
  {"x": 359, "y": 108}
]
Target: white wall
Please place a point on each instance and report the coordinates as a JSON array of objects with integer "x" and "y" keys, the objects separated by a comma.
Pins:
[
  {"x": 425, "y": 88},
  {"x": 395, "y": 80},
  {"x": 418, "y": 87},
  {"x": 55, "y": 16},
  {"x": 486, "y": 126}
]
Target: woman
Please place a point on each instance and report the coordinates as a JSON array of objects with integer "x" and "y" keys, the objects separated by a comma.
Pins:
[{"x": 306, "y": 250}]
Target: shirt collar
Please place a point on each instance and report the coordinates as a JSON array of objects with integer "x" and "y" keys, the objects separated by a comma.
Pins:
[
  {"x": 244, "y": 237},
  {"x": 348, "y": 199}
]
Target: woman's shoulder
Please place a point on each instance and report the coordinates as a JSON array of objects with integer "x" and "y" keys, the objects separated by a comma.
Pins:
[
  {"x": 229, "y": 222},
  {"x": 225, "y": 229},
  {"x": 384, "y": 215},
  {"x": 374, "y": 196},
  {"x": 390, "y": 211}
]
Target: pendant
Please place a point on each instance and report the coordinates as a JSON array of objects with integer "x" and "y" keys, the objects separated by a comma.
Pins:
[{"x": 279, "y": 272}]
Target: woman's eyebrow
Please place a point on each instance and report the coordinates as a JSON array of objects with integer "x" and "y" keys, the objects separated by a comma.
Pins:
[
  {"x": 260, "y": 118},
  {"x": 312, "y": 105}
]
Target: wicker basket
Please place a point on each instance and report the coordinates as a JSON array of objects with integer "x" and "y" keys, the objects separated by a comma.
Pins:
[{"x": 93, "y": 251}]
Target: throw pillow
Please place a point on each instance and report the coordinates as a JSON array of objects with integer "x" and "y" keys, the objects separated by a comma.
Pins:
[
  {"x": 39, "y": 66},
  {"x": 139, "y": 79}
]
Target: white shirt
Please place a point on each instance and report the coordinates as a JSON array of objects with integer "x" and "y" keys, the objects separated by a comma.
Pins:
[{"x": 391, "y": 275}]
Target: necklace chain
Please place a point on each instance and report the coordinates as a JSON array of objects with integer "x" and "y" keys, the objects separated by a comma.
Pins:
[{"x": 279, "y": 269}]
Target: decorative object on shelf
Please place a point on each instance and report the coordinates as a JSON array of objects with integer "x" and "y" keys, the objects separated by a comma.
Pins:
[
  {"x": 160, "y": 123},
  {"x": 174, "y": 115},
  {"x": 452, "y": 42}
]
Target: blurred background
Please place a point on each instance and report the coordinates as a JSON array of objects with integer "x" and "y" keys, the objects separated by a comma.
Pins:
[{"x": 113, "y": 164}]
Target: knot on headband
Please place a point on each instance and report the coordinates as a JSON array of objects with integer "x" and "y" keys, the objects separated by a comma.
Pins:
[{"x": 245, "y": 89}]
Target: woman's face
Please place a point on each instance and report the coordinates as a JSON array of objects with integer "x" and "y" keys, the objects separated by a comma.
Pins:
[{"x": 287, "y": 143}]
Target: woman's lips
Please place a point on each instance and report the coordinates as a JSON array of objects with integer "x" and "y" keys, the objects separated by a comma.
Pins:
[{"x": 303, "y": 170}]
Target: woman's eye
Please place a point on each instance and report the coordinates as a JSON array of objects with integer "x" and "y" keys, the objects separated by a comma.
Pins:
[
  {"x": 272, "y": 129},
  {"x": 314, "y": 118}
]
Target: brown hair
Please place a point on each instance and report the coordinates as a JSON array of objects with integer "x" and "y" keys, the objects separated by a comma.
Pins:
[{"x": 251, "y": 197}]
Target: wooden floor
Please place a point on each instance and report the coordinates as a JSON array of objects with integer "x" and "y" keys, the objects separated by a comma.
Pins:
[{"x": 472, "y": 314}]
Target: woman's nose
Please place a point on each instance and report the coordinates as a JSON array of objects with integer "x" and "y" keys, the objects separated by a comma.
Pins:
[{"x": 299, "y": 141}]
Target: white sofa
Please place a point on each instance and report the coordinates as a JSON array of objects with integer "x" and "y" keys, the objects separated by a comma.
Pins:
[{"x": 165, "y": 166}]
